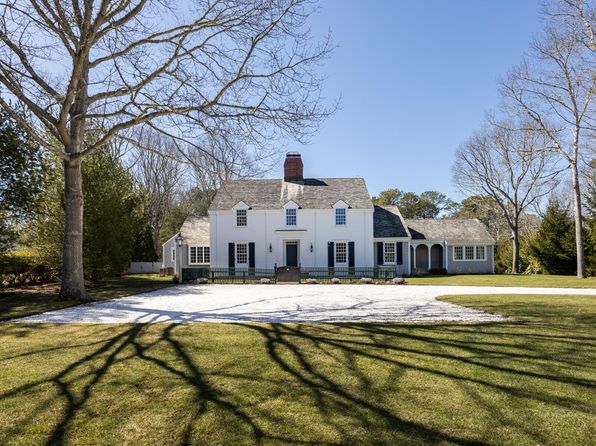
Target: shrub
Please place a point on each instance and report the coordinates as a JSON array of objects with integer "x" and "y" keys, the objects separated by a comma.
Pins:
[
  {"x": 335, "y": 280},
  {"x": 366, "y": 280}
]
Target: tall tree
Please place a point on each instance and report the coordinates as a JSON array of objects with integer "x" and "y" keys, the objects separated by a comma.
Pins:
[
  {"x": 512, "y": 167},
  {"x": 555, "y": 88},
  {"x": 158, "y": 174},
  {"x": 189, "y": 69},
  {"x": 429, "y": 204}
]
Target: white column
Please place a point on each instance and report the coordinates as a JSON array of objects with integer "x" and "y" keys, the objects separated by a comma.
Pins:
[
  {"x": 414, "y": 257},
  {"x": 429, "y": 247}
]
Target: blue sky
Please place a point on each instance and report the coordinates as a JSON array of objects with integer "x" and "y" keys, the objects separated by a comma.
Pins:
[{"x": 416, "y": 77}]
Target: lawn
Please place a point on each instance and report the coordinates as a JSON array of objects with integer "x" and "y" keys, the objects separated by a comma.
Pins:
[
  {"x": 530, "y": 380},
  {"x": 23, "y": 301},
  {"x": 523, "y": 280}
]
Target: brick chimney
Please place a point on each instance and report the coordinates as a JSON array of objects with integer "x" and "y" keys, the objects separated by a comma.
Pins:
[{"x": 293, "y": 167}]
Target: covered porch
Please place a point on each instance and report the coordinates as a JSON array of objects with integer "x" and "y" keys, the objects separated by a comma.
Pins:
[{"x": 425, "y": 256}]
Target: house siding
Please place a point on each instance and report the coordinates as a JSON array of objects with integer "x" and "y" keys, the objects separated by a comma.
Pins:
[
  {"x": 314, "y": 226},
  {"x": 471, "y": 266}
]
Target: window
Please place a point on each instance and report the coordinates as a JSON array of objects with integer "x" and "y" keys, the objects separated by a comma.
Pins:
[
  {"x": 173, "y": 254},
  {"x": 477, "y": 253},
  {"x": 241, "y": 219},
  {"x": 480, "y": 253},
  {"x": 290, "y": 217},
  {"x": 341, "y": 253},
  {"x": 340, "y": 216},
  {"x": 198, "y": 255},
  {"x": 389, "y": 252},
  {"x": 458, "y": 252},
  {"x": 241, "y": 254}
]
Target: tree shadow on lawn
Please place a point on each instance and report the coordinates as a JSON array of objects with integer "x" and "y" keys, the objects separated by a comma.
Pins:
[{"x": 352, "y": 383}]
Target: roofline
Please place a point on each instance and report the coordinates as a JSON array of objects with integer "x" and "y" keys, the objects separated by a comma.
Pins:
[{"x": 175, "y": 235}]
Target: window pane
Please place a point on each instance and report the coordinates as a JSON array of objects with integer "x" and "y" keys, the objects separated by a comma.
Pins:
[
  {"x": 291, "y": 217},
  {"x": 389, "y": 252},
  {"x": 173, "y": 254},
  {"x": 340, "y": 216},
  {"x": 341, "y": 252},
  {"x": 458, "y": 252},
  {"x": 193, "y": 254},
  {"x": 480, "y": 253},
  {"x": 241, "y": 253},
  {"x": 199, "y": 254},
  {"x": 206, "y": 254},
  {"x": 469, "y": 253},
  {"x": 241, "y": 217}
]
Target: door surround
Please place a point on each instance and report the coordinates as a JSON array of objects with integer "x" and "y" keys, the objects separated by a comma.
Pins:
[{"x": 285, "y": 251}]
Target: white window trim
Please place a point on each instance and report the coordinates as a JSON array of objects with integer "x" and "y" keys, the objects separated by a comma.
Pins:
[
  {"x": 295, "y": 216},
  {"x": 199, "y": 246},
  {"x": 385, "y": 262},
  {"x": 245, "y": 218},
  {"x": 238, "y": 264},
  {"x": 345, "y": 223},
  {"x": 335, "y": 262},
  {"x": 474, "y": 259},
  {"x": 173, "y": 254}
]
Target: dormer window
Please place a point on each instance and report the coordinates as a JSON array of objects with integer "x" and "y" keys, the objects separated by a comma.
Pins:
[
  {"x": 290, "y": 217},
  {"x": 241, "y": 219},
  {"x": 340, "y": 216}
]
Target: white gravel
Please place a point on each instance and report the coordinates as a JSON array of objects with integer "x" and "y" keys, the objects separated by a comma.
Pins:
[{"x": 288, "y": 303}]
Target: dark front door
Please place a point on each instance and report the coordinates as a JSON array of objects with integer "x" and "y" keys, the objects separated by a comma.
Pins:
[{"x": 291, "y": 254}]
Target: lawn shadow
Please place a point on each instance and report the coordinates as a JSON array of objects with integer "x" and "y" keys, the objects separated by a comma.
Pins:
[{"x": 301, "y": 355}]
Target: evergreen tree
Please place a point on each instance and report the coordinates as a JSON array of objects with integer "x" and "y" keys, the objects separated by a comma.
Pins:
[
  {"x": 114, "y": 216},
  {"x": 553, "y": 246},
  {"x": 22, "y": 170}
]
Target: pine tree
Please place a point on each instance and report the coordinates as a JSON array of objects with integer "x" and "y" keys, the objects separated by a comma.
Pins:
[{"x": 553, "y": 247}]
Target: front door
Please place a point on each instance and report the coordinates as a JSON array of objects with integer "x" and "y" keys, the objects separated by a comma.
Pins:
[{"x": 292, "y": 254}]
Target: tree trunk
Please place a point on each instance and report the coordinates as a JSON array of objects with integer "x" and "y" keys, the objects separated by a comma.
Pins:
[
  {"x": 156, "y": 246},
  {"x": 577, "y": 211},
  {"x": 515, "y": 263},
  {"x": 73, "y": 285}
]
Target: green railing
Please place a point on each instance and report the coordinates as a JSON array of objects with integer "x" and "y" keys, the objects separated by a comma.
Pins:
[
  {"x": 228, "y": 275},
  {"x": 346, "y": 274},
  {"x": 253, "y": 275}
]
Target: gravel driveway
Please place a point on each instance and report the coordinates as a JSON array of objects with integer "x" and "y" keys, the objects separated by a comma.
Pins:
[{"x": 288, "y": 303}]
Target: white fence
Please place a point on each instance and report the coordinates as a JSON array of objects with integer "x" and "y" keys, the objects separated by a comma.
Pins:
[{"x": 144, "y": 267}]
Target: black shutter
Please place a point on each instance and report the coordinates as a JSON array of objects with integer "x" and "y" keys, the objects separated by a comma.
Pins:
[
  {"x": 351, "y": 254},
  {"x": 231, "y": 260},
  {"x": 330, "y": 255},
  {"x": 251, "y": 255},
  {"x": 399, "y": 252},
  {"x": 380, "y": 259}
]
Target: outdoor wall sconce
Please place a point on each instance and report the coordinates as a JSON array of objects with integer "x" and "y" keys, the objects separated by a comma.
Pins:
[
  {"x": 270, "y": 248},
  {"x": 311, "y": 247}
]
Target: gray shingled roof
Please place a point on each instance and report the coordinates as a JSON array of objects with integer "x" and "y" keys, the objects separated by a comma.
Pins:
[
  {"x": 195, "y": 230},
  {"x": 388, "y": 222},
  {"x": 450, "y": 230},
  {"x": 310, "y": 194}
]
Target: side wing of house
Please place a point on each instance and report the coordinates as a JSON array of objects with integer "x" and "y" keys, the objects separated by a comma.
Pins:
[{"x": 459, "y": 246}]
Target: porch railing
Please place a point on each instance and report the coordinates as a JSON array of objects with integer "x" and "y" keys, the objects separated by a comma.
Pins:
[{"x": 254, "y": 275}]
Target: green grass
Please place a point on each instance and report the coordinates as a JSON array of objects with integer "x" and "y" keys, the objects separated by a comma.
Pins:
[
  {"x": 530, "y": 380},
  {"x": 529, "y": 280},
  {"x": 24, "y": 301}
]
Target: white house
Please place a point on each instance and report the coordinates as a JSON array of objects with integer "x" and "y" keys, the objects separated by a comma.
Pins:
[{"x": 322, "y": 222}]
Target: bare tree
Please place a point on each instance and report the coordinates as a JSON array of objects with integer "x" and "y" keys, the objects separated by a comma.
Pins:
[
  {"x": 158, "y": 174},
  {"x": 512, "y": 167},
  {"x": 187, "y": 69},
  {"x": 555, "y": 87}
]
